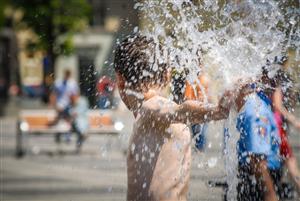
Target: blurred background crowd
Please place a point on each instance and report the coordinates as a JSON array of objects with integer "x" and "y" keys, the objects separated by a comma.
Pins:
[{"x": 41, "y": 39}]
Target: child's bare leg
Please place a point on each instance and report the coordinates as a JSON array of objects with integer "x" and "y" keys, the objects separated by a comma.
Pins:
[
  {"x": 292, "y": 166},
  {"x": 270, "y": 194},
  {"x": 263, "y": 176}
]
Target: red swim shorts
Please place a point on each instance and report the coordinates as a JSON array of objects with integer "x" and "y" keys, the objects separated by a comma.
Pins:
[{"x": 285, "y": 148}]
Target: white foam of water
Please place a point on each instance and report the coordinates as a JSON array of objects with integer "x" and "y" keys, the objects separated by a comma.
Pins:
[
  {"x": 228, "y": 41},
  {"x": 233, "y": 42}
]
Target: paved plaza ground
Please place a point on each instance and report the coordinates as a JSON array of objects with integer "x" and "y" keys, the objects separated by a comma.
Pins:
[{"x": 50, "y": 172}]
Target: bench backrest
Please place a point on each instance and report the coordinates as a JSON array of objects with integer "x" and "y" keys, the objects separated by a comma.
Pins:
[{"x": 41, "y": 118}]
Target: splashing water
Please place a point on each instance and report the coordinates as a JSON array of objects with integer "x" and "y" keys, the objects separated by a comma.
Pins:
[
  {"x": 228, "y": 41},
  {"x": 230, "y": 155}
]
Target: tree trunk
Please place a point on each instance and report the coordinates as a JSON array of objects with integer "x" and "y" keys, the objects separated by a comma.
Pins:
[{"x": 49, "y": 60}]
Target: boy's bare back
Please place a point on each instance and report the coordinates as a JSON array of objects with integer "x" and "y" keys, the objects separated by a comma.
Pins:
[{"x": 159, "y": 155}]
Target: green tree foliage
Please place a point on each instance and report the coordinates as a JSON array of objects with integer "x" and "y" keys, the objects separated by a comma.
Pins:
[
  {"x": 52, "y": 18},
  {"x": 3, "y": 5}
]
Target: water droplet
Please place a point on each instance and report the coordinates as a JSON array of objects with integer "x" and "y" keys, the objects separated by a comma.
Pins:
[{"x": 212, "y": 162}]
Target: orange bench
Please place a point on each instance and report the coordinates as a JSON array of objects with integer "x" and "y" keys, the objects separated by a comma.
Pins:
[{"x": 37, "y": 121}]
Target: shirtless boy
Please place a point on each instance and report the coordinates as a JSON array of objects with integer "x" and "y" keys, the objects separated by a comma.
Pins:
[{"x": 159, "y": 152}]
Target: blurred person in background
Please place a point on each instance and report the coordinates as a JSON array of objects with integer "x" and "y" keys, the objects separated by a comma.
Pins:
[
  {"x": 105, "y": 88},
  {"x": 48, "y": 78},
  {"x": 79, "y": 118},
  {"x": 282, "y": 97},
  {"x": 9, "y": 64},
  {"x": 60, "y": 98},
  {"x": 61, "y": 95}
]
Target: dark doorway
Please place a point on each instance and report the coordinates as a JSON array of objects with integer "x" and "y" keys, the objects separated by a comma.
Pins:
[{"x": 87, "y": 73}]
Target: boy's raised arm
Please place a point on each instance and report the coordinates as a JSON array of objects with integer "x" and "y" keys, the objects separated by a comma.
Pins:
[
  {"x": 188, "y": 112},
  {"x": 195, "y": 112}
]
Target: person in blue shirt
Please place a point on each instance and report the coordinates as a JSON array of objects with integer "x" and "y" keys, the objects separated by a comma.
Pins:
[
  {"x": 258, "y": 147},
  {"x": 79, "y": 118}
]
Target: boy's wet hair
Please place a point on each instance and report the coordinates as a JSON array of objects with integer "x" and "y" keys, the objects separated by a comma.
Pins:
[
  {"x": 178, "y": 85},
  {"x": 280, "y": 60},
  {"x": 137, "y": 60},
  {"x": 278, "y": 75}
]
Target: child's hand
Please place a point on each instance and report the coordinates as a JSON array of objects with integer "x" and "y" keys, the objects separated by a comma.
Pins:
[
  {"x": 297, "y": 125},
  {"x": 294, "y": 121},
  {"x": 226, "y": 101}
]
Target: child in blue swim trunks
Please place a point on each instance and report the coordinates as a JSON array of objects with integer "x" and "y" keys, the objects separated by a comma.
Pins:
[{"x": 258, "y": 148}]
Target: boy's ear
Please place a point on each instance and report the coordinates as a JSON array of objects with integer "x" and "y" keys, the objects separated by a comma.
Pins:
[
  {"x": 122, "y": 89},
  {"x": 169, "y": 75},
  {"x": 120, "y": 81}
]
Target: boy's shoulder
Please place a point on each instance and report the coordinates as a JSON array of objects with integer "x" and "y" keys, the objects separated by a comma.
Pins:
[{"x": 157, "y": 103}]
